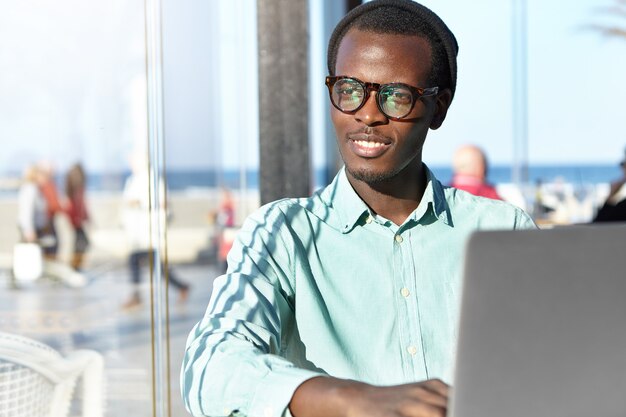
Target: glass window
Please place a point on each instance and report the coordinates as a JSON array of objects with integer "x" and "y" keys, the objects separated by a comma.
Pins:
[{"x": 123, "y": 177}]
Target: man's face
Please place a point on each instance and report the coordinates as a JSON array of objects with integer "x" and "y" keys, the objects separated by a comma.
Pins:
[{"x": 373, "y": 147}]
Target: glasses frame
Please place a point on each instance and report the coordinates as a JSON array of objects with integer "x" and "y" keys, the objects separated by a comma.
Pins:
[{"x": 416, "y": 92}]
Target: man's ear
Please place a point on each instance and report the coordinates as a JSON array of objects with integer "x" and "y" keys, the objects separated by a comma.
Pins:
[{"x": 442, "y": 102}]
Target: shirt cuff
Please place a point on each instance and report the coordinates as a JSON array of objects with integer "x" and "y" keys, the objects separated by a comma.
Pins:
[{"x": 276, "y": 390}]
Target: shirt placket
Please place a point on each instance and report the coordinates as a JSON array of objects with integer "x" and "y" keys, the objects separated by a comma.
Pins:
[{"x": 409, "y": 318}]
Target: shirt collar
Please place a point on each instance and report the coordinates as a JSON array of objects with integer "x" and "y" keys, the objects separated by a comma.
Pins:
[
  {"x": 350, "y": 208},
  {"x": 434, "y": 199}
]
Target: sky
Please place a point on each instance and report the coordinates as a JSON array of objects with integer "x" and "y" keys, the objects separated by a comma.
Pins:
[
  {"x": 575, "y": 82},
  {"x": 73, "y": 82},
  {"x": 71, "y": 73}
]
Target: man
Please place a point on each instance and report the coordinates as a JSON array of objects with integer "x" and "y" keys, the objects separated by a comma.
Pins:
[
  {"x": 336, "y": 304},
  {"x": 469, "y": 164}
]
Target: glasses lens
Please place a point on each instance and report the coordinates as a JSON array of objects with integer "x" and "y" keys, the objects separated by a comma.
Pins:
[
  {"x": 396, "y": 101},
  {"x": 348, "y": 94}
]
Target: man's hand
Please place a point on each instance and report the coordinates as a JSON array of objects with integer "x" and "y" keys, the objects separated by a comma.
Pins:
[{"x": 332, "y": 397}]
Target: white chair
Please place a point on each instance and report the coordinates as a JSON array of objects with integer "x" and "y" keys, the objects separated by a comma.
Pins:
[{"x": 36, "y": 381}]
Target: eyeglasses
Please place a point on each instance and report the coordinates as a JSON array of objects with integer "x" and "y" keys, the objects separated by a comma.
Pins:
[{"x": 394, "y": 100}]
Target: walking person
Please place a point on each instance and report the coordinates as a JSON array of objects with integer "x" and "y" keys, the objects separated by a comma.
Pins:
[
  {"x": 225, "y": 222},
  {"x": 32, "y": 216},
  {"x": 76, "y": 210},
  {"x": 136, "y": 218},
  {"x": 614, "y": 207},
  {"x": 33, "y": 223},
  {"x": 47, "y": 186}
]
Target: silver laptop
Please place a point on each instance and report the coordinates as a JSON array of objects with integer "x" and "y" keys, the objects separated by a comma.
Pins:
[{"x": 543, "y": 324}]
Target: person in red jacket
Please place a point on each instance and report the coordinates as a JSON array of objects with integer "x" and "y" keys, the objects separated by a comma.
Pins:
[
  {"x": 470, "y": 172},
  {"x": 49, "y": 239},
  {"x": 225, "y": 221},
  {"x": 76, "y": 210}
]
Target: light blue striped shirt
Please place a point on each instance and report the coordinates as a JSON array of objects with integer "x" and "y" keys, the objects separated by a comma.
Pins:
[{"x": 321, "y": 286}]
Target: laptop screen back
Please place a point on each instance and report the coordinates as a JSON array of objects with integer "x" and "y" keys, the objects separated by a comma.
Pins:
[{"x": 543, "y": 324}]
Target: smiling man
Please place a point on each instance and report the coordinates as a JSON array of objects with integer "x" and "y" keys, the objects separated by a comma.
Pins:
[{"x": 346, "y": 303}]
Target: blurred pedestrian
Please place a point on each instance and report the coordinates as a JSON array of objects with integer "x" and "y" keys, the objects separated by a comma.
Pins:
[
  {"x": 226, "y": 209},
  {"x": 33, "y": 223},
  {"x": 225, "y": 221},
  {"x": 50, "y": 239},
  {"x": 32, "y": 216},
  {"x": 76, "y": 209},
  {"x": 469, "y": 165},
  {"x": 614, "y": 208},
  {"x": 136, "y": 219}
]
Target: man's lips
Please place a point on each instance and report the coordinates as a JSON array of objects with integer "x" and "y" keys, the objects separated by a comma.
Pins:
[{"x": 368, "y": 145}]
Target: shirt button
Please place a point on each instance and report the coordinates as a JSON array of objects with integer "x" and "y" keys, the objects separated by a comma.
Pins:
[
  {"x": 399, "y": 239},
  {"x": 412, "y": 350},
  {"x": 405, "y": 292}
]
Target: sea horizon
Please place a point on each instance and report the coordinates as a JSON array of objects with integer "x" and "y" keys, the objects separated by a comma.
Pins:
[{"x": 194, "y": 179}]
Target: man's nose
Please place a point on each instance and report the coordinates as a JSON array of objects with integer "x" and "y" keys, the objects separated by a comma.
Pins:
[{"x": 370, "y": 114}]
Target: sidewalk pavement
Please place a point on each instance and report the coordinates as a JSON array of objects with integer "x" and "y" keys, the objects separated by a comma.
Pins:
[{"x": 92, "y": 318}]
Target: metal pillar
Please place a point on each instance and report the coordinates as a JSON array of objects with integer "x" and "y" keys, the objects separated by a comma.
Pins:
[
  {"x": 283, "y": 99},
  {"x": 161, "y": 398}
]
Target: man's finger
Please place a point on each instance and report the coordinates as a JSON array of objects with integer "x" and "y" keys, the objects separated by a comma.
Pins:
[
  {"x": 421, "y": 393},
  {"x": 422, "y": 409},
  {"x": 437, "y": 386}
]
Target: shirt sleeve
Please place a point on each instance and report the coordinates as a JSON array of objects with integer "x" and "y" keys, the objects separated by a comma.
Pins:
[
  {"x": 233, "y": 363},
  {"x": 523, "y": 220}
]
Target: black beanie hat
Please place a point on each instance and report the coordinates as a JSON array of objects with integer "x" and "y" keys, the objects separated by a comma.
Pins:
[{"x": 421, "y": 12}]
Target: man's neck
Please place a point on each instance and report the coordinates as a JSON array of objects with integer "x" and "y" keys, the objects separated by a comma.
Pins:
[{"x": 394, "y": 199}]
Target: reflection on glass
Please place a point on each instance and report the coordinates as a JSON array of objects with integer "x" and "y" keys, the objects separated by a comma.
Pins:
[{"x": 94, "y": 211}]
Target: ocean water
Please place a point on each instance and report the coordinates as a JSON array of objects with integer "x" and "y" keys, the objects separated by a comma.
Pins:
[
  {"x": 498, "y": 174},
  {"x": 182, "y": 180},
  {"x": 572, "y": 174}
]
